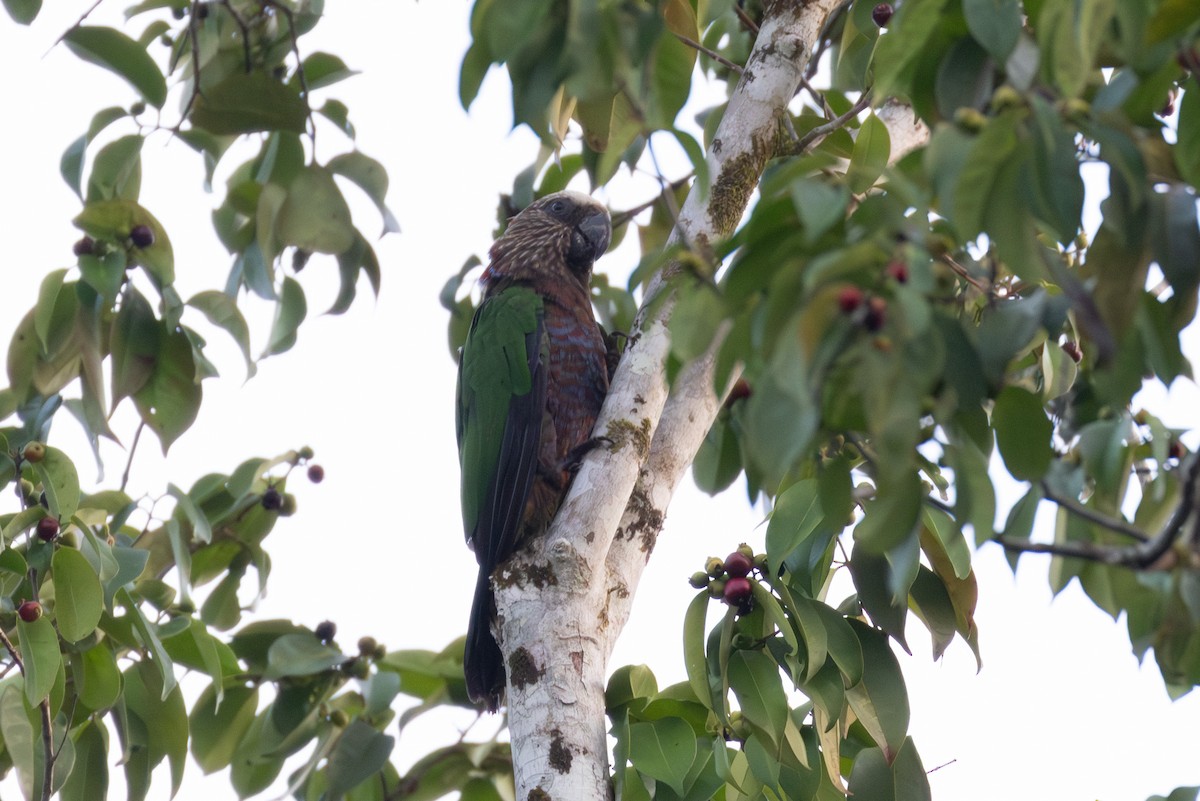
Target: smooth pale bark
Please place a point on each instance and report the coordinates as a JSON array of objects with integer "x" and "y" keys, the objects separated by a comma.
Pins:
[{"x": 563, "y": 601}]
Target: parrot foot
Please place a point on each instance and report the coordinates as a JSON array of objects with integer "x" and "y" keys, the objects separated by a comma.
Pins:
[{"x": 575, "y": 457}]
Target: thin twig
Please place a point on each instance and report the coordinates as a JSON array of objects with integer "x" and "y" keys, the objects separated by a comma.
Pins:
[
  {"x": 1140, "y": 556},
  {"x": 245, "y": 29},
  {"x": 1092, "y": 516},
  {"x": 621, "y": 217},
  {"x": 137, "y": 435},
  {"x": 715, "y": 56},
  {"x": 47, "y": 721},
  {"x": 821, "y": 131},
  {"x": 78, "y": 22},
  {"x": 962, "y": 273},
  {"x": 745, "y": 19},
  {"x": 291, "y": 20}
]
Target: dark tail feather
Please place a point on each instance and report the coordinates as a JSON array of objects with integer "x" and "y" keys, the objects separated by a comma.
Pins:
[{"x": 483, "y": 664}]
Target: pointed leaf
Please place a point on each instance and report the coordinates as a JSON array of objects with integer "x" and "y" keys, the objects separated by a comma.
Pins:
[
  {"x": 39, "y": 651},
  {"x": 78, "y": 597},
  {"x": 113, "y": 50}
]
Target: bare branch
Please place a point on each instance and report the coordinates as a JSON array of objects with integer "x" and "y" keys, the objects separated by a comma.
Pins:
[
  {"x": 1145, "y": 554},
  {"x": 1092, "y": 516},
  {"x": 821, "y": 131},
  {"x": 715, "y": 56}
]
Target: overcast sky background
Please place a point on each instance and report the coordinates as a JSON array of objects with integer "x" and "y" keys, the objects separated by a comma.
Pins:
[{"x": 1061, "y": 709}]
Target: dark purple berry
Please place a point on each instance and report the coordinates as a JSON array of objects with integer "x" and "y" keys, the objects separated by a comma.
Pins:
[
  {"x": 47, "y": 529},
  {"x": 29, "y": 611},
  {"x": 882, "y": 14},
  {"x": 141, "y": 236},
  {"x": 738, "y": 565},
  {"x": 272, "y": 499},
  {"x": 326, "y": 630}
]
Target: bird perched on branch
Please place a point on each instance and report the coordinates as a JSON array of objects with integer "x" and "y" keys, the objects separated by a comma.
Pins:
[{"x": 532, "y": 377}]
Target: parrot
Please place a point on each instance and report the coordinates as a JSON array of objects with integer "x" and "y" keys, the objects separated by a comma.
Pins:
[{"x": 532, "y": 376}]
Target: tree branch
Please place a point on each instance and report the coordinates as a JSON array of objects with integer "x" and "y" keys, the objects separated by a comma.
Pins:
[
  {"x": 1092, "y": 516},
  {"x": 1145, "y": 554}
]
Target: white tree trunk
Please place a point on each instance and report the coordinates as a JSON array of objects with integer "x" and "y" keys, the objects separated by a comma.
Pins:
[{"x": 563, "y": 602}]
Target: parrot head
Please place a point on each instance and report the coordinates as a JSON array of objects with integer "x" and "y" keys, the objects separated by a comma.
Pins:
[{"x": 565, "y": 229}]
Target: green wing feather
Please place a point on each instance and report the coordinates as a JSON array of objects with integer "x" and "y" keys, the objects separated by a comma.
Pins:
[{"x": 501, "y": 398}]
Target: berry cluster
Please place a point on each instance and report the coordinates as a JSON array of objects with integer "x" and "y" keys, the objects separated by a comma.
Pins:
[{"x": 729, "y": 579}]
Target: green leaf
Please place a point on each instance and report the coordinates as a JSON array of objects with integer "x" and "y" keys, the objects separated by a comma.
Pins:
[
  {"x": 693, "y": 647},
  {"x": 872, "y": 147},
  {"x": 1023, "y": 432},
  {"x": 161, "y": 662},
  {"x": 290, "y": 311},
  {"x": 995, "y": 24},
  {"x": 324, "y": 69},
  {"x": 89, "y": 774},
  {"x": 158, "y": 717},
  {"x": 171, "y": 397},
  {"x": 1187, "y": 146},
  {"x": 943, "y": 529},
  {"x": 873, "y": 577},
  {"x": 372, "y": 178},
  {"x": 931, "y": 603},
  {"x": 663, "y": 750},
  {"x": 217, "y": 727},
  {"x": 974, "y": 189},
  {"x": 60, "y": 481},
  {"x": 118, "y": 53},
  {"x": 873, "y": 779},
  {"x": 134, "y": 345},
  {"x": 201, "y": 528},
  {"x": 17, "y": 727},
  {"x": 117, "y": 171},
  {"x": 97, "y": 678},
  {"x": 880, "y": 699},
  {"x": 248, "y": 102},
  {"x": 1171, "y": 18},
  {"x": 360, "y": 753},
  {"x": 300, "y": 654},
  {"x": 315, "y": 216},
  {"x": 755, "y": 680},
  {"x": 43, "y": 660},
  {"x": 900, "y": 49},
  {"x": 78, "y": 597},
  {"x": 23, "y": 12},
  {"x": 222, "y": 311}
]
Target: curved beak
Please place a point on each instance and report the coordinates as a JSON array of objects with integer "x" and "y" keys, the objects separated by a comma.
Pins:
[{"x": 597, "y": 230}]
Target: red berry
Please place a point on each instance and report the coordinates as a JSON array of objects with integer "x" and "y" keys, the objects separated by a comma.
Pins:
[
  {"x": 738, "y": 565},
  {"x": 29, "y": 611},
  {"x": 272, "y": 500},
  {"x": 882, "y": 14},
  {"x": 898, "y": 272},
  {"x": 84, "y": 246},
  {"x": 1072, "y": 349},
  {"x": 849, "y": 299},
  {"x": 876, "y": 314},
  {"x": 142, "y": 236},
  {"x": 34, "y": 452},
  {"x": 316, "y": 473},
  {"x": 737, "y": 590},
  {"x": 1176, "y": 450},
  {"x": 47, "y": 528}
]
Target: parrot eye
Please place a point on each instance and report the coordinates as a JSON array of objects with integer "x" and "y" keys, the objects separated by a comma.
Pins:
[{"x": 558, "y": 207}]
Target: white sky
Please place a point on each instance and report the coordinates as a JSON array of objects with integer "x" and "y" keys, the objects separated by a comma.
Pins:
[{"x": 1061, "y": 710}]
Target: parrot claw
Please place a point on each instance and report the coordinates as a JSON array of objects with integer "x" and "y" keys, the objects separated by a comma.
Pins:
[{"x": 575, "y": 457}]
